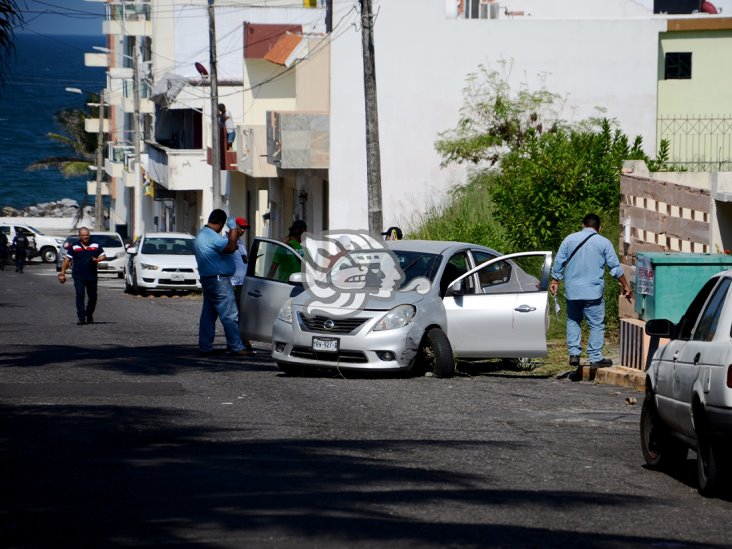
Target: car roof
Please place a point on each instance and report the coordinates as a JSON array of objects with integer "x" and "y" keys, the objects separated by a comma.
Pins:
[
  {"x": 167, "y": 235},
  {"x": 434, "y": 246}
]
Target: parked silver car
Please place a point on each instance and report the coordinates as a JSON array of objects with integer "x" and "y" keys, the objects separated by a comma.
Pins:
[
  {"x": 688, "y": 401},
  {"x": 452, "y": 300}
]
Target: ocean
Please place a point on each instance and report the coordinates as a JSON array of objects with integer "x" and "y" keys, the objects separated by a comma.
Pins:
[{"x": 34, "y": 90}]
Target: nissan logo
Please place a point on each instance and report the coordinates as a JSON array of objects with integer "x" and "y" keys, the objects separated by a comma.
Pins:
[{"x": 329, "y": 324}]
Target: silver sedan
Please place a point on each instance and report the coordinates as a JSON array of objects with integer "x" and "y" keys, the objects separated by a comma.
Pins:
[{"x": 411, "y": 305}]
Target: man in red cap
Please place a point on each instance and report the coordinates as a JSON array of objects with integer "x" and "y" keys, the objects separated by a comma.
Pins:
[{"x": 240, "y": 259}]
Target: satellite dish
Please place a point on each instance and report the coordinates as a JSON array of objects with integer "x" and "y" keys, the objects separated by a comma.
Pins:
[{"x": 201, "y": 69}]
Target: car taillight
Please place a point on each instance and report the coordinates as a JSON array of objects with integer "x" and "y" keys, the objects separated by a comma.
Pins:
[{"x": 729, "y": 376}]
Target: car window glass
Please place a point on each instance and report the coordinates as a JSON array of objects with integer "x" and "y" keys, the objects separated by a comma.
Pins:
[
  {"x": 274, "y": 261},
  {"x": 457, "y": 265},
  {"x": 107, "y": 241},
  {"x": 23, "y": 230},
  {"x": 416, "y": 264},
  {"x": 6, "y": 230},
  {"x": 688, "y": 320},
  {"x": 168, "y": 246},
  {"x": 707, "y": 326},
  {"x": 493, "y": 275}
]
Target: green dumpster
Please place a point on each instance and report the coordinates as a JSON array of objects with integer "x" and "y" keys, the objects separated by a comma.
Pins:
[{"x": 665, "y": 283}]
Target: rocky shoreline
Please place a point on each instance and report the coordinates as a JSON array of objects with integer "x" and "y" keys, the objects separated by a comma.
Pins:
[{"x": 66, "y": 207}]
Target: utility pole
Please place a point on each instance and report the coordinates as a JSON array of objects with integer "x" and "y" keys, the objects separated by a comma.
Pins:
[
  {"x": 373, "y": 156},
  {"x": 139, "y": 225},
  {"x": 215, "y": 134},
  {"x": 98, "y": 204}
]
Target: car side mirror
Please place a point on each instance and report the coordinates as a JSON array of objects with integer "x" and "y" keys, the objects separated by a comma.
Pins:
[
  {"x": 295, "y": 278},
  {"x": 457, "y": 288},
  {"x": 132, "y": 250},
  {"x": 661, "y": 327}
]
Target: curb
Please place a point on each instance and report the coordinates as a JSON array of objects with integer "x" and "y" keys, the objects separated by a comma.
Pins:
[{"x": 617, "y": 375}]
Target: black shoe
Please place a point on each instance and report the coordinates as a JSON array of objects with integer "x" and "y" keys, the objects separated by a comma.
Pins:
[
  {"x": 81, "y": 322},
  {"x": 574, "y": 360},
  {"x": 89, "y": 319},
  {"x": 603, "y": 363},
  {"x": 576, "y": 375}
]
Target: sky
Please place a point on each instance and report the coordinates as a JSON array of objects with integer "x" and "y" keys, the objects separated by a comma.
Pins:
[{"x": 61, "y": 17}]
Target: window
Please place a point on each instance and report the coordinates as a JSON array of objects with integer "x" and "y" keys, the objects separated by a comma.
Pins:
[
  {"x": 707, "y": 326},
  {"x": 677, "y": 65}
]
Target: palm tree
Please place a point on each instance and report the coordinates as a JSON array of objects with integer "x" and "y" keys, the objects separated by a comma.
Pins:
[
  {"x": 81, "y": 146},
  {"x": 10, "y": 18}
]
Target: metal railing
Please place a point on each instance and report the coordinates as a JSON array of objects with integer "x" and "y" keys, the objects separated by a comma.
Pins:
[{"x": 698, "y": 143}]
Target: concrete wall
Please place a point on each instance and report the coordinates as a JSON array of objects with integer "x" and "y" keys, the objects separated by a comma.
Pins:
[{"x": 422, "y": 60}]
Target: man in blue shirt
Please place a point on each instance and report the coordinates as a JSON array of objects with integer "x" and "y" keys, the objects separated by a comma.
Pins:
[
  {"x": 86, "y": 255},
  {"x": 215, "y": 268},
  {"x": 581, "y": 262}
]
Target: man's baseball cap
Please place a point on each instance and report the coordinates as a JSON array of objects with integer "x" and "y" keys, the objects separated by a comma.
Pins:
[{"x": 242, "y": 222}]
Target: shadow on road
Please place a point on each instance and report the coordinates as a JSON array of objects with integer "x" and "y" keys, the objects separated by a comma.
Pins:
[{"x": 135, "y": 476}]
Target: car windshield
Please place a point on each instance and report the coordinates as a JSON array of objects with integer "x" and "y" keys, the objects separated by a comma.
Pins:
[
  {"x": 107, "y": 241},
  {"x": 168, "y": 246},
  {"x": 372, "y": 267}
]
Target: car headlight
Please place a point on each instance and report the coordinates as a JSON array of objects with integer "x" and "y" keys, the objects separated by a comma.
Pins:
[
  {"x": 149, "y": 267},
  {"x": 398, "y": 317},
  {"x": 285, "y": 312}
]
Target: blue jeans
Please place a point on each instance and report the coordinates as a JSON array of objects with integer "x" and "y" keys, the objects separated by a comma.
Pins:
[
  {"x": 90, "y": 288},
  {"x": 218, "y": 302},
  {"x": 593, "y": 311}
]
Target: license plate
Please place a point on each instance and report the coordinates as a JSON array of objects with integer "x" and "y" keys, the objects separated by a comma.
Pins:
[
  {"x": 175, "y": 277},
  {"x": 325, "y": 344}
]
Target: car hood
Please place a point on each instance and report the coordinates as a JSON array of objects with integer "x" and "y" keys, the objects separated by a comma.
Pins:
[
  {"x": 356, "y": 301},
  {"x": 165, "y": 260}
]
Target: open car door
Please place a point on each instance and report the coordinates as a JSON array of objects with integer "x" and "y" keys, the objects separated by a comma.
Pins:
[
  {"x": 266, "y": 286},
  {"x": 500, "y": 316}
]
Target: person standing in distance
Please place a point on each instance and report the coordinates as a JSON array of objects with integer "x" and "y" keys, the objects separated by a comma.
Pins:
[
  {"x": 215, "y": 268},
  {"x": 237, "y": 281},
  {"x": 581, "y": 262},
  {"x": 86, "y": 255},
  {"x": 21, "y": 243},
  {"x": 3, "y": 250},
  {"x": 227, "y": 122}
]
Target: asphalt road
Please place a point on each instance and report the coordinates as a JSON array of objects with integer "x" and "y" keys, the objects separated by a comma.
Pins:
[{"x": 118, "y": 435}]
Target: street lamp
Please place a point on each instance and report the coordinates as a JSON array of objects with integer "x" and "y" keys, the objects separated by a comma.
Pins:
[{"x": 98, "y": 204}]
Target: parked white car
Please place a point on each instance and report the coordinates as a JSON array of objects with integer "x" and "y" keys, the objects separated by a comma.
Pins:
[
  {"x": 161, "y": 261},
  {"x": 434, "y": 301},
  {"x": 42, "y": 245},
  {"x": 688, "y": 401},
  {"x": 114, "y": 249}
]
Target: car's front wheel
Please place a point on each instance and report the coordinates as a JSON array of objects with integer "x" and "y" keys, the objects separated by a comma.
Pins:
[
  {"x": 660, "y": 448},
  {"x": 435, "y": 354},
  {"x": 49, "y": 254}
]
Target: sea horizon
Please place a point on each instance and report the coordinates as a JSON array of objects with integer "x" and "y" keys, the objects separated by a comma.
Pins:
[{"x": 34, "y": 90}]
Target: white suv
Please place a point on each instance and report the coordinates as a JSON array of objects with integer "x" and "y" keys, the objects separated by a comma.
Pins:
[{"x": 42, "y": 245}]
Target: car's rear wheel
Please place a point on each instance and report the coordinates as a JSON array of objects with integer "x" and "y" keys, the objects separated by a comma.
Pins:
[
  {"x": 294, "y": 370},
  {"x": 709, "y": 463},
  {"x": 660, "y": 448},
  {"x": 435, "y": 354},
  {"x": 49, "y": 254}
]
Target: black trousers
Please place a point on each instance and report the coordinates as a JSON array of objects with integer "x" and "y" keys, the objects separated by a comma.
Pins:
[{"x": 90, "y": 288}]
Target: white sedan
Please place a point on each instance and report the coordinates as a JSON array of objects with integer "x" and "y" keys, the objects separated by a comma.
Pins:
[
  {"x": 161, "y": 261},
  {"x": 688, "y": 400}
]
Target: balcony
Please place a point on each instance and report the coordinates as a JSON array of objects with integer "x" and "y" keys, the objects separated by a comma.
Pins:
[
  {"x": 178, "y": 169},
  {"x": 128, "y": 18},
  {"x": 117, "y": 157},
  {"x": 298, "y": 140},
  {"x": 91, "y": 125},
  {"x": 95, "y": 59},
  {"x": 229, "y": 159},
  {"x": 251, "y": 150},
  {"x": 91, "y": 188},
  {"x": 128, "y": 97}
]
